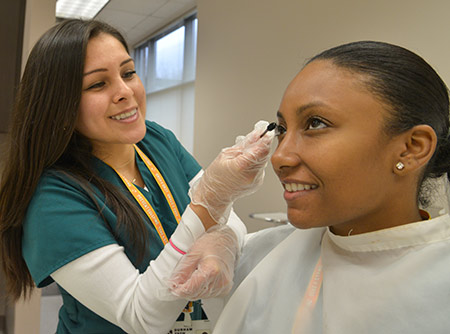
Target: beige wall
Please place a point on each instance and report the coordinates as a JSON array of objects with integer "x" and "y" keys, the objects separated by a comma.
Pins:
[
  {"x": 249, "y": 50},
  {"x": 39, "y": 17},
  {"x": 23, "y": 317}
]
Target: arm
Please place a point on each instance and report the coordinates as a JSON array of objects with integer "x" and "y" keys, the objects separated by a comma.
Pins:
[
  {"x": 106, "y": 282},
  {"x": 136, "y": 302},
  {"x": 208, "y": 268},
  {"x": 234, "y": 222}
]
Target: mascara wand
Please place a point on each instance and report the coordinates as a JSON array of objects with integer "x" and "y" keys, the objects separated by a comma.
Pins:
[{"x": 270, "y": 127}]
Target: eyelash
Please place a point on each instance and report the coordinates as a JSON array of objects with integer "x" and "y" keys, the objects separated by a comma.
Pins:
[
  {"x": 281, "y": 130},
  {"x": 313, "y": 119},
  {"x": 129, "y": 74},
  {"x": 96, "y": 85},
  {"x": 126, "y": 75}
]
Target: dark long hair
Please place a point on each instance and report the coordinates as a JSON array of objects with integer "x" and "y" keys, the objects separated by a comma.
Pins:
[
  {"x": 409, "y": 86},
  {"x": 43, "y": 136}
]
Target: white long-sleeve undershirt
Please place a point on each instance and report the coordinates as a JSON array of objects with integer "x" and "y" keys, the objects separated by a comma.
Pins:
[{"x": 106, "y": 282}]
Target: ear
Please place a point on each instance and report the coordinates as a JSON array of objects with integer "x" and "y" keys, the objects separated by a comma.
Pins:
[{"x": 418, "y": 146}]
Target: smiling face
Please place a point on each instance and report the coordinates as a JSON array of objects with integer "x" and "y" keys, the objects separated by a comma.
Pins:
[
  {"x": 333, "y": 157},
  {"x": 112, "y": 107}
]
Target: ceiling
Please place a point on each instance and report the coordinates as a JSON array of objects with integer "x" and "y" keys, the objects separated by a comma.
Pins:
[{"x": 138, "y": 19}]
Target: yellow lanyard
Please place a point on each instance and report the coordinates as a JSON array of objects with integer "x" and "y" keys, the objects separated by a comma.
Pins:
[{"x": 143, "y": 202}]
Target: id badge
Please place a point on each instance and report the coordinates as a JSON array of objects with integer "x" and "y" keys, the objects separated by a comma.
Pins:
[
  {"x": 192, "y": 327},
  {"x": 189, "y": 326}
]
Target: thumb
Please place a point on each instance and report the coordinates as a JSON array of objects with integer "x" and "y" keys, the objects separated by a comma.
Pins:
[
  {"x": 193, "y": 286},
  {"x": 184, "y": 269}
]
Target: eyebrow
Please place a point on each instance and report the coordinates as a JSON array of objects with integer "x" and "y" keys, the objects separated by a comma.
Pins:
[
  {"x": 303, "y": 108},
  {"x": 105, "y": 70}
]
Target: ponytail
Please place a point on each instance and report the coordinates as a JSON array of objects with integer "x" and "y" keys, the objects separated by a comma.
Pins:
[{"x": 440, "y": 163}]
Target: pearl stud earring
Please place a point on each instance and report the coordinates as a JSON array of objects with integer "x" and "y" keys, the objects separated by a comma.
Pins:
[{"x": 399, "y": 165}]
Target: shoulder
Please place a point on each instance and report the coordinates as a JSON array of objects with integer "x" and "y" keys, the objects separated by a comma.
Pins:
[
  {"x": 258, "y": 245},
  {"x": 54, "y": 182},
  {"x": 162, "y": 146},
  {"x": 59, "y": 197},
  {"x": 57, "y": 187},
  {"x": 154, "y": 130},
  {"x": 56, "y": 224},
  {"x": 269, "y": 238},
  {"x": 160, "y": 139},
  {"x": 153, "y": 126}
]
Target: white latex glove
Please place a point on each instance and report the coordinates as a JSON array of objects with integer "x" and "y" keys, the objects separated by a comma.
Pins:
[
  {"x": 237, "y": 171},
  {"x": 207, "y": 269}
]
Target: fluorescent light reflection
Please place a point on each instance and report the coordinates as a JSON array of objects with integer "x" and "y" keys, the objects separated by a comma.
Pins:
[{"x": 80, "y": 9}]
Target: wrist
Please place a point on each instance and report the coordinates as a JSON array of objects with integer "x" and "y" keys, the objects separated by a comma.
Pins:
[{"x": 204, "y": 215}]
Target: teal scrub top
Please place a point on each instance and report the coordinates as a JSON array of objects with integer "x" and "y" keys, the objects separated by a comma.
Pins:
[{"x": 62, "y": 222}]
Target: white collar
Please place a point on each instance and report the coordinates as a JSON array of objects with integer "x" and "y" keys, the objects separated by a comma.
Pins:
[{"x": 413, "y": 234}]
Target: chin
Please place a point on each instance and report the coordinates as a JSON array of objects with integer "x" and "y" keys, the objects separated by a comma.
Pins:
[
  {"x": 301, "y": 221},
  {"x": 140, "y": 133},
  {"x": 138, "y": 139}
]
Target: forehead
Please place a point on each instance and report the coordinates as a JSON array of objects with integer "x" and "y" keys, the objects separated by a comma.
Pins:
[
  {"x": 104, "y": 47},
  {"x": 323, "y": 78},
  {"x": 323, "y": 83}
]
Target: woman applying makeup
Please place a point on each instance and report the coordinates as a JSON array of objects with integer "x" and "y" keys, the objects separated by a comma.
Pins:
[{"x": 98, "y": 199}]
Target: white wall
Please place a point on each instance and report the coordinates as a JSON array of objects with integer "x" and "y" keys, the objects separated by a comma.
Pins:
[{"x": 248, "y": 51}]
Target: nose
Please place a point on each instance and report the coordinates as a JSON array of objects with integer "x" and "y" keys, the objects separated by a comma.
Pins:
[
  {"x": 286, "y": 155},
  {"x": 122, "y": 91}
]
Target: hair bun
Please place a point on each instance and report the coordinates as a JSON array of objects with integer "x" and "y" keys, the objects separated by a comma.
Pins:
[{"x": 441, "y": 163}]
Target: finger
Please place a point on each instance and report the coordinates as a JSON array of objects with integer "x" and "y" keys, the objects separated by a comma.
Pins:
[
  {"x": 184, "y": 269},
  {"x": 261, "y": 148},
  {"x": 253, "y": 136},
  {"x": 268, "y": 137},
  {"x": 208, "y": 271},
  {"x": 194, "y": 286}
]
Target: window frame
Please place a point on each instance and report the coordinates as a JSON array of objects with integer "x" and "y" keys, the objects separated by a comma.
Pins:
[{"x": 146, "y": 51}]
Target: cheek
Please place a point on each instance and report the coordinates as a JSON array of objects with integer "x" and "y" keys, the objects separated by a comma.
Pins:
[
  {"x": 142, "y": 104},
  {"x": 140, "y": 95},
  {"x": 88, "y": 116},
  {"x": 83, "y": 112},
  {"x": 351, "y": 166},
  {"x": 357, "y": 178}
]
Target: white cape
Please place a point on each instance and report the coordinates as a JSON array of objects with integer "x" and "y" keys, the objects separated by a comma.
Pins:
[{"x": 390, "y": 281}]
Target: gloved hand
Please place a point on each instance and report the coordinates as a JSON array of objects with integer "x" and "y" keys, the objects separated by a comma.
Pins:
[
  {"x": 237, "y": 171},
  {"x": 207, "y": 269}
]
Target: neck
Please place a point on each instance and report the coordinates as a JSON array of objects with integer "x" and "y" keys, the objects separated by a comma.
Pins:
[
  {"x": 386, "y": 219},
  {"x": 123, "y": 159},
  {"x": 120, "y": 157}
]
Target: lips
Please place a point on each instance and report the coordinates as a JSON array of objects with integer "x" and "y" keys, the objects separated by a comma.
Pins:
[{"x": 124, "y": 115}]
